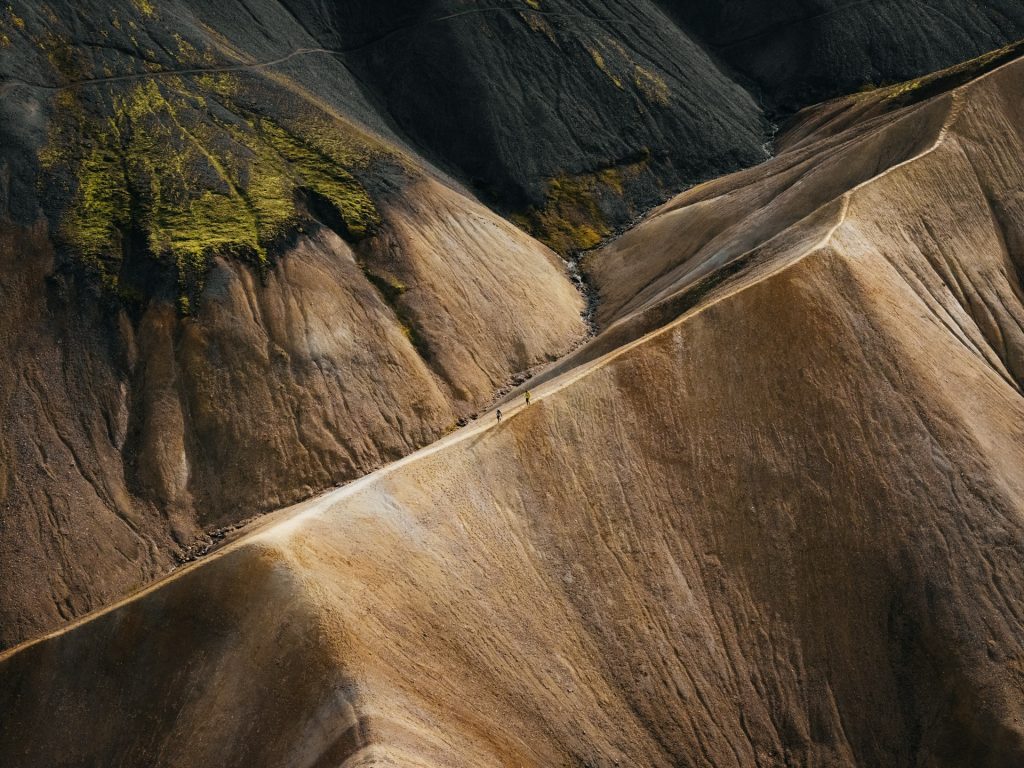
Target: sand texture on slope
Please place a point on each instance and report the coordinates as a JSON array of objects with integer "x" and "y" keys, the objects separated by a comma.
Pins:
[
  {"x": 242, "y": 258},
  {"x": 773, "y": 515}
]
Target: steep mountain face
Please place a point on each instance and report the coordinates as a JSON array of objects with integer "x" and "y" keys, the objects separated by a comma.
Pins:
[
  {"x": 772, "y": 515},
  {"x": 243, "y": 260},
  {"x": 221, "y": 294},
  {"x": 573, "y": 116},
  {"x": 800, "y": 51}
]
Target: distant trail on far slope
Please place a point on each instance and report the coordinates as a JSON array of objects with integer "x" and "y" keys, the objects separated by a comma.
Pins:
[{"x": 12, "y": 83}]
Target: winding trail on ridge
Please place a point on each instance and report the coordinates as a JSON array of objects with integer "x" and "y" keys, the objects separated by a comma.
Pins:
[{"x": 282, "y": 523}]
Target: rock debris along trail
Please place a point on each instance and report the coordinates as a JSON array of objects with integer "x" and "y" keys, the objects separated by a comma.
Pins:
[
  {"x": 773, "y": 514},
  {"x": 279, "y": 524}
]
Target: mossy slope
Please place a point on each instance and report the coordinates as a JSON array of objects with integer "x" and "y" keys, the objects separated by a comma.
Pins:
[
  {"x": 182, "y": 173},
  {"x": 579, "y": 211}
]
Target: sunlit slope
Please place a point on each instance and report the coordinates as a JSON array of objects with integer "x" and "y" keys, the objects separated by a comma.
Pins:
[
  {"x": 782, "y": 528},
  {"x": 242, "y": 260},
  {"x": 223, "y": 291},
  {"x": 932, "y": 188}
]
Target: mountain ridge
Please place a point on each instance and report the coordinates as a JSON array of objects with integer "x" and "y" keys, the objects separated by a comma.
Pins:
[
  {"x": 235, "y": 284},
  {"x": 776, "y": 520}
]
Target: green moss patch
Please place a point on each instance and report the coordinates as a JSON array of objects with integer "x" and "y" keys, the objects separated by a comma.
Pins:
[
  {"x": 616, "y": 63},
  {"x": 320, "y": 173},
  {"x": 10, "y": 24},
  {"x": 571, "y": 219},
  {"x": 187, "y": 175},
  {"x": 651, "y": 86},
  {"x": 921, "y": 88}
]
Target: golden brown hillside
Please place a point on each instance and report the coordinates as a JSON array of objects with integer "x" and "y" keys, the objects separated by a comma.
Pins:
[{"x": 772, "y": 515}]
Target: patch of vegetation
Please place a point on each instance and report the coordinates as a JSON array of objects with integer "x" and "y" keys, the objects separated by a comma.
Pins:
[
  {"x": 62, "y": 56},
  {"x": 888, "y": 90},
  {"x": 145, "y": 7},
  {"x": 598, "y": 58},
  {"x": 9, "y": 22},
  {"x": 190, "y": 176},
  {"x": 651, "y": 86},
  {"x": 12, "y": 18},
  {"x": 618, "y": 66},
  {"x": 328, "y": 179},
  {"x": 571, "y": 219},
  {"x": 904, "y": 88},
  {"x": 391, "y": 290},
  {"x": 918, "y": 89},
  {"x": 388, "y": 287},
  {"x": 538, "y": 23},
  {"x": 102, "y": 214}
]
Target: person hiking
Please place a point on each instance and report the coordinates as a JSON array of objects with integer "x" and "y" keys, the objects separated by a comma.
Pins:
[
  {"x": 527, "y": 397},
  {"x": 499, "y": 415}
]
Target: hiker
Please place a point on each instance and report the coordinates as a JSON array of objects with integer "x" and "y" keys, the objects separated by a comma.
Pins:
[
  {"x": 499, "y": 415},
  {"x": 527, "y": 397}
]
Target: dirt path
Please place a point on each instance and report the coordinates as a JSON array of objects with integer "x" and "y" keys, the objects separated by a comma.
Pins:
[{"x": 280, "y": 524}]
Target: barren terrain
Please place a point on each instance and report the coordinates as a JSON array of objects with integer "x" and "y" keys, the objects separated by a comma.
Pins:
[{"x": 773, "y": 514}]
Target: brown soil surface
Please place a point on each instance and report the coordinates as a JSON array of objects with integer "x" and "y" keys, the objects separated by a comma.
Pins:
[{"x": 773, "y": 515}]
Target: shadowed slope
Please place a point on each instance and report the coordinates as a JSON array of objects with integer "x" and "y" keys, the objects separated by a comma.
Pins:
[
  {"x": 783, "y": 528},
  {"x": 574, "y": 117},
  {"x": 800, "y": 51}
]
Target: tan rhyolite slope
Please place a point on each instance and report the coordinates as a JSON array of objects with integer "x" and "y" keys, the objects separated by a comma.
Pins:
[
  {"x": 230, "y": 276},
  {"x": 124, "y": 439},
  {"x": 784, "y": 527},
  {"x": 132, "y": 426}
]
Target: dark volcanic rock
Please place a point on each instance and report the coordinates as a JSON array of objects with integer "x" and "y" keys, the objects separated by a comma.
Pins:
[
  {"x": 578, "y": 115},
  {"x": 801, "y": 51}
]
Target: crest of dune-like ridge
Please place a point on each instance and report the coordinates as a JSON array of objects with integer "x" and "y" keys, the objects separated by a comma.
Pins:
[{"x": 773, "y": 514}]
